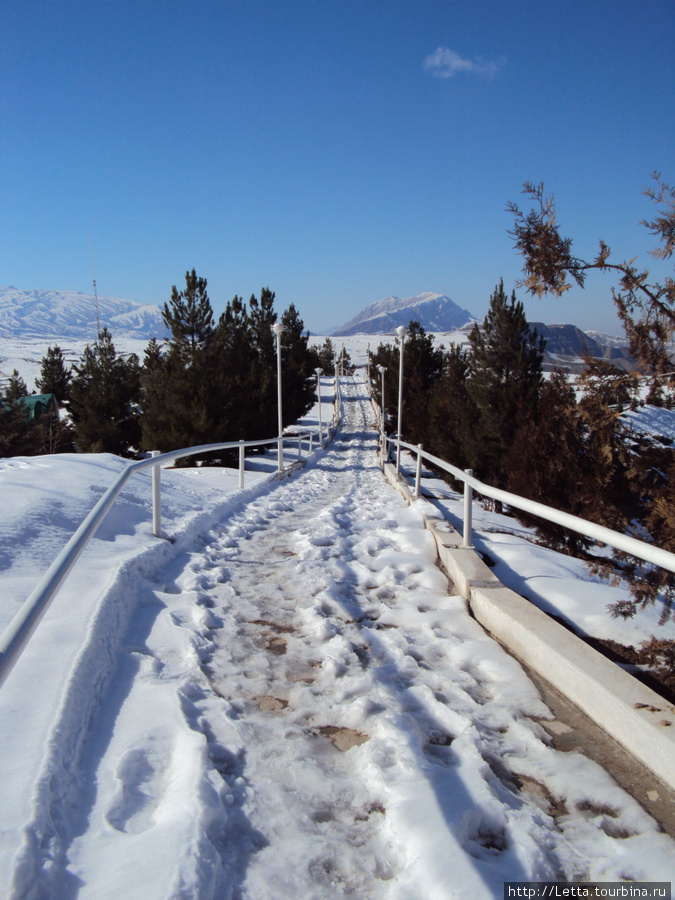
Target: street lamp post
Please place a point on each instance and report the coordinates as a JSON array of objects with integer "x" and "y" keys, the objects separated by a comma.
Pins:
[
  {"x": 382, "y": 369},
  {"x": 384, "y": 450},
  {"x": 401, "y": 331},
  {"x": 318, "y": 371},
  {"x": 279, "y": 329}
]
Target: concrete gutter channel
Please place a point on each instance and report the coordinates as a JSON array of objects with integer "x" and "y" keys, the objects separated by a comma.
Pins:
[{"x": 601, "y": 701}]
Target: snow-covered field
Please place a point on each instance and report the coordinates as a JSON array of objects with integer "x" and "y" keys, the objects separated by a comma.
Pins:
[
  {"x": 286, "y": 701},
  {"x": 25, "y": 353}
]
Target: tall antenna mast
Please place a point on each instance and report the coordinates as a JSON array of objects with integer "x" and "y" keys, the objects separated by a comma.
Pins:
[{"x": 91, "y": 253}]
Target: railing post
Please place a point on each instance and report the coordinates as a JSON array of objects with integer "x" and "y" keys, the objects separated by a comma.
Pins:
[
  {"x": 418, "y": 474},
  {"x": 468, "y": 495},
  {"x": 311, "y": 443},
  {"x": 241, "y": 465},
  {"x": 299, "y": 446},
  {"x": 156, "y": 497}
]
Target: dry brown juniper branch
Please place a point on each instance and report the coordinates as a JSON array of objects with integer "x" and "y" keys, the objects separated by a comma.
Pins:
[{"x": 646, "y": 309}]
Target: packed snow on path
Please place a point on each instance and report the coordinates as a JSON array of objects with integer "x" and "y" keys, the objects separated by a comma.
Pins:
[{"x": 287, "y": 701}]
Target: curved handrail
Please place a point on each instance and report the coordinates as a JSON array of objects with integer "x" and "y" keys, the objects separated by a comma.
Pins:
[{"x": 19, "y": 631}]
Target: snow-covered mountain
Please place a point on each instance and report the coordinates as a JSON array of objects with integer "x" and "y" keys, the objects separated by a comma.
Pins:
[
  {"x": 69, "y": 314},
  {"x": 435, "y": 312}
]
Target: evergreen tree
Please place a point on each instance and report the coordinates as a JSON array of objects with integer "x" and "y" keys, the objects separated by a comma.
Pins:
[
  {"x": 548, "y": 458},
  {"x": 177, "y": 386},
  {"x": 327, "y": 358},
  {"x": 576, "y": 455},
  {"x": 158, "y": 413},
  {"x": 103, "y": 399},
  {"x": 452, "y": 412},
  {"x": 387, "y": 356},
  {"x": 233, "y": 363},
  {"x": 264, "y": 399},
  {"x": 54, "y": 376},
  {"x": 344, "y": 361},
  {"x": 422, "y": 368},
  {"x": 16, "y": 388},
  {"x": 504, "y": 378},
  {"x": 17, "y": 431},
  {"x": 297, "y": 362},
  {"x": 21, "y": 435},
  {"x": 189, "y": 315},
  {"x": 613, "y": 477},
  {"x": 218, "y": 383}
]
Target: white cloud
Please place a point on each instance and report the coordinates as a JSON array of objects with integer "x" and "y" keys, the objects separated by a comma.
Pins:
[{"x": 445, "y": 63}]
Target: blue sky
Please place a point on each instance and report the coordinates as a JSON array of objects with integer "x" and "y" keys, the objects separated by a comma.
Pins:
[{"x": 339, "y": 151}]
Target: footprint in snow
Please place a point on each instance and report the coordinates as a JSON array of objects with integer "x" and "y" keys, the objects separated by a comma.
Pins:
[{"x": 137, "y": 797}]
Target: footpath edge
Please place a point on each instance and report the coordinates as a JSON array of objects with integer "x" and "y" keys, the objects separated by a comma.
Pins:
[{"x": 632, "y": 714}]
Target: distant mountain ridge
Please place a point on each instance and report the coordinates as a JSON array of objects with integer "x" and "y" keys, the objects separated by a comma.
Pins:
[
  {"x": 70, "y": 314},
  {"x": 567, "y": 344},
  {"x": 435, "y": 312}
]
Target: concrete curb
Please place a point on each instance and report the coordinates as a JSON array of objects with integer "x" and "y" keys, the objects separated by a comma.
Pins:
[{"x": 631, "y": 713}]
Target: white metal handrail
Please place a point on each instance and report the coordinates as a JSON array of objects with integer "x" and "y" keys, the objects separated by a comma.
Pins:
[
  {"x": 640, "y": 549},
  {"x": 19, "y": 631}
]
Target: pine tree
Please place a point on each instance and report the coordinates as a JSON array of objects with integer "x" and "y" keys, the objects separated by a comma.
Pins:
[
  {"x": 232, "y": 367},
  {"x": 344, "y": 361},
  {"x": 16, "y": 388},
  {"x": 17, "y": 432},
  {"x": 452, "y": 412},
  {"x": 422, "y": 368},
  {"x": 218, "y": 383},
  {"x": 327, "y": 357},
  {"x": 611, "y": 477},
  {"x": 547, "y": 460},
  {"x": 386, "y": 356},
  {"x": 178, "y": 389},
  {"x": 264, "y": 399},
  {"x": 298, "y": 377},
  {"x": 504, "y": 378},
  {"x": 157, "y": 413},
  {"x": 103, "y": 399},
  {"x": 189, "y": 315},
  {"x": 54, "y": 376}
]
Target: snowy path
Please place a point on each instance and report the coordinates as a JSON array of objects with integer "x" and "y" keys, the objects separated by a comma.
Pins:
[{"x": 302, "y": 710}]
